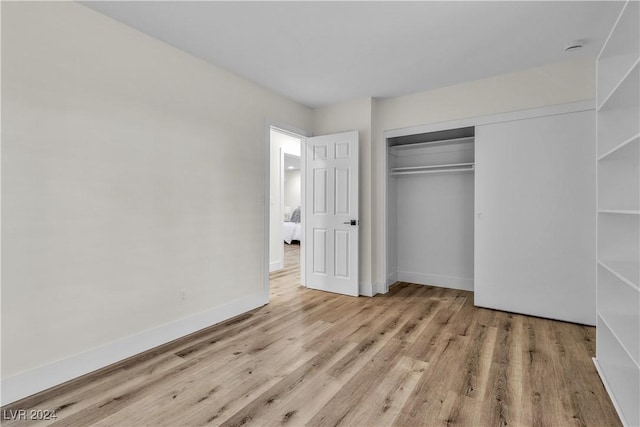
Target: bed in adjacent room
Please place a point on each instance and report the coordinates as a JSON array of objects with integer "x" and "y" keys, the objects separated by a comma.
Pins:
[{"x": 291, "y": 229}]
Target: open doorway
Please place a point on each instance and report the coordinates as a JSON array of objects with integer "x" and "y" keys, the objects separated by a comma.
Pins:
[
  {"x": 285, "y": 216},
  {"x": 328, "y": 249}
]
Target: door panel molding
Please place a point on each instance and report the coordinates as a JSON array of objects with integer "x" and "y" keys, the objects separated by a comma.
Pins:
[{"x": 331, "y": 172}]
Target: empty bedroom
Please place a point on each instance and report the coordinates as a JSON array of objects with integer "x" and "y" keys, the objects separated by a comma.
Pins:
[{"x": 320, "y": 213}]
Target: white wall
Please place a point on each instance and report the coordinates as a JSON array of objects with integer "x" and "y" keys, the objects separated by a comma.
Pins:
[
  {"x": 292, "y": 188},
  {"x": 131, "y": 172},
  {"x": 543, "y": 86}
]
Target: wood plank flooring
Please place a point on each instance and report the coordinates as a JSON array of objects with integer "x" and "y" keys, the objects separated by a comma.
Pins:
[{"x": 417, "y": 356}]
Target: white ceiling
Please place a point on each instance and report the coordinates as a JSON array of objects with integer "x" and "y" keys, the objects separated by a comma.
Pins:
[{"x": 321, "y": 53}]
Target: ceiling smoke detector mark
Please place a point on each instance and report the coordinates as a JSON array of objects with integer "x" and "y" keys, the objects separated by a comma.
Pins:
[{"x": 574, "y": 46}]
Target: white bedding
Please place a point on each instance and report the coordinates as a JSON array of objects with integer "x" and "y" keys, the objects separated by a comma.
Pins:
[{"x": 291, "y": 231}]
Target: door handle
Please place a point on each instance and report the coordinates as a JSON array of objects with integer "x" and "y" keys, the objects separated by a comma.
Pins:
[{"x": 352, "y": 222}]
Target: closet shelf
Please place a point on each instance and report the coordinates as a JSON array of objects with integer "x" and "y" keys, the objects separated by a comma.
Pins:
[
  {"x": 625, "y": 335},
  {"x": 428, "y": 143},
  {"x": 443, "y": 168},
  {"x": 629, "y": 141},
  {"x": 627, "y": 271},
  {"x": 629, "y": 77},
  {"x": 619, "y": 211},
  {"x": 620, "y": 342}
]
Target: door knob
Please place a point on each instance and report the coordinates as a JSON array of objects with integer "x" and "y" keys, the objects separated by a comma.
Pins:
[{"x": 352, "y": 222}]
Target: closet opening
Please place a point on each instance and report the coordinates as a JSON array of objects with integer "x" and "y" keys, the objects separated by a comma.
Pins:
[{"x": 430, "y": 208}]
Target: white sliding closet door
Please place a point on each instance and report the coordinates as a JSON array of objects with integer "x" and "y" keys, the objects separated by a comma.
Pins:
[{"x": 535, "y": 217}]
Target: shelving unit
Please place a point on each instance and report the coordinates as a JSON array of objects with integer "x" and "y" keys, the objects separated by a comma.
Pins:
[
  {"x": 433, "y": 156},
  {"x": 618, "y": 248}
]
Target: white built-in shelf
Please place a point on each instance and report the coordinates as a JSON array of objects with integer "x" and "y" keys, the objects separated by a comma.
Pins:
[
  {"x": 624, "y": 355},
  {"x": 619, "y": 243},
  {"x": 619, "y": 179},
  {"x": 619, "y": 306},
  {"x": 618, "y": 252},
  {"x": 619, "y": 95},
  {"x": 443, "y": 156},
  {"x": 618, "y": 117},
  {"x": 620, "y": 50},
  {"x": 415, "y": 145},
  {"x": 619, "y": 372},
  {"x": 625, "y": 335},
  {"x": 619, "y": 211},
  {"x": 634, "y": 139},
  {"x": 626, "y": 271},
  {"x": 611, "y": 74}
]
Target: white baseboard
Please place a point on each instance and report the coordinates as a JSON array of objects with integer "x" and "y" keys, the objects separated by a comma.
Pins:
[
  {"x": 275, "y": 266},
  {"x": 435, "y": 280},
  {"x": 610, "y": 393},
  {"x": 39, "y": 379}
]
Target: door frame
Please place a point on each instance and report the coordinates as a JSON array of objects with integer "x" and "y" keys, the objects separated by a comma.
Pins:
[{"x": 265, "y": 198}]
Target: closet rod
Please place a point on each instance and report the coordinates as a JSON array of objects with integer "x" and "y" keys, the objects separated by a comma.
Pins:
[
  {"x": 451, "y": 165},
  {"x": 433, "y": 171},
  {"x": 439, "y": 142}
]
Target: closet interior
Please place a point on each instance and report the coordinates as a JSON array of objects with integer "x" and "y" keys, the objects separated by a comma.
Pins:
[{"x": 430, "y": 208}]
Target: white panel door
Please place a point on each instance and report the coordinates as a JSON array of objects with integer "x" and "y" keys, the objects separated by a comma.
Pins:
[
  {"x": 535, "y": 217},
  {"x": 331, "y": 213}
]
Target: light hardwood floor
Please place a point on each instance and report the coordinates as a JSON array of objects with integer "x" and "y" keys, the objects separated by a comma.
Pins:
[{"x": 417, "y": 356}]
